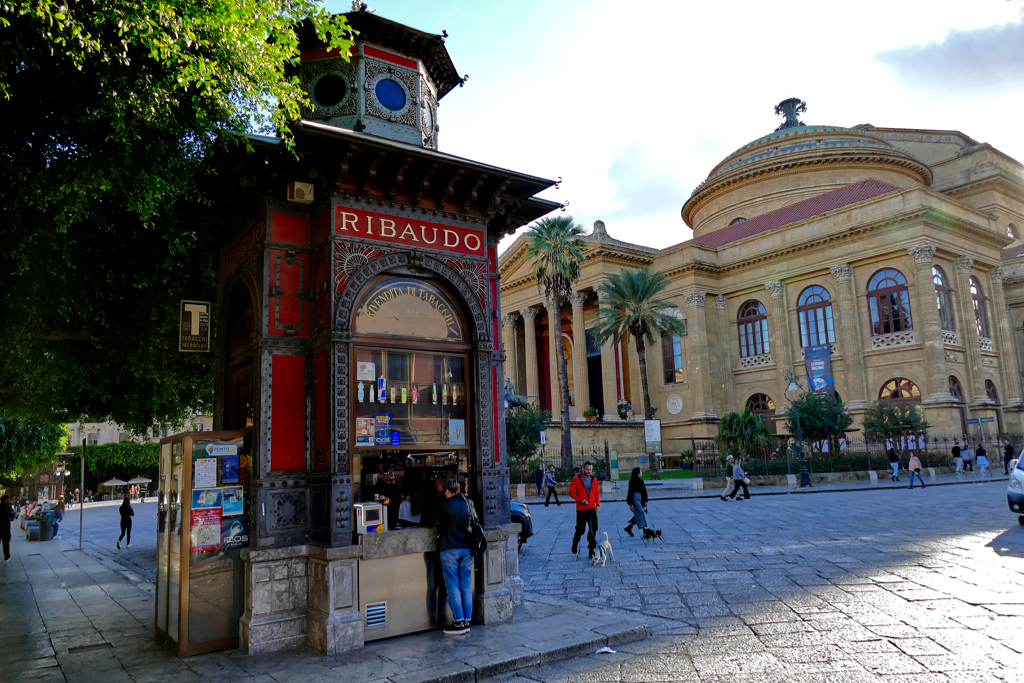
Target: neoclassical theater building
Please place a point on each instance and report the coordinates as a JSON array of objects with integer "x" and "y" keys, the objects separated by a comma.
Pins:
[{"x": 900, "y": 248}]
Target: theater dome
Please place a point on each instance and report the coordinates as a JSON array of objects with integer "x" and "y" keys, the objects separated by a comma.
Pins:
[{"x": 793, "y": 163}]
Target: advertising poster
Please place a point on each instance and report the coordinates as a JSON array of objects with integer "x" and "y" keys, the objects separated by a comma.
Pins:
[
  {"x": 364, "y": 431},
  {"x": 206, "y": 499},
  {"x": 456, "y": 432},
  {"x": 366, "y": 371},
  {"x": 206, "y": 530},
  {"x": 206, "y": 473},
  {"x": 234, "y": 533},
  {"x": 229, "y": 469},
  {"x": 233, "y": 501},
  {"x": 382, "y": 429},
  {"x": 818, "y": 362},
  {"x": 652, "y": 436}
]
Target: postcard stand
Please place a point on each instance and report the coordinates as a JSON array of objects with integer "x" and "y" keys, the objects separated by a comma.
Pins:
[{"x": 202, "y": 525}]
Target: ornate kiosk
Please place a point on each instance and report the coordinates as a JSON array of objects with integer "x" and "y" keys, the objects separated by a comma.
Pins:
[{"x": 358, "y": 335}]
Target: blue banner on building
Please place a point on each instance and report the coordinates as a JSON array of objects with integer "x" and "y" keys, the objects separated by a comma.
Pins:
[{"x": 818, "y": 362}]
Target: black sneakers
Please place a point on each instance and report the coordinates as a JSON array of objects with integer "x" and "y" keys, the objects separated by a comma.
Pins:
[
  {"x": 119, "y": 545},
  {"x": 629, "y": 529},
  {"x": 575, "y": 547},
  {"x": 457, "y": 628}
]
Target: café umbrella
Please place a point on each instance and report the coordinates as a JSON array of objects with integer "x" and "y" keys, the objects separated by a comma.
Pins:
[
  {"x": 139, "y": 480},
  {"x": 114, "y": 482}
]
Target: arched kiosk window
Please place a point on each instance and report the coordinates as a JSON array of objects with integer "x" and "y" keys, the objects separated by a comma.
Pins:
[
  {"x": 814, "y": 310},
  {"x": 753, "y": 329},
  {"x": 410, "y": 386},
  {"x": 900, "y": 390},
  {"x": 980, "y": 313},
  {"x": 942, "y": 299},
  {"x": 889, "y": 302}
]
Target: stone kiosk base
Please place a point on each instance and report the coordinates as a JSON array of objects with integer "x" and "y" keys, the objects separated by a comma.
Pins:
[{"x": 316, "y": 596}]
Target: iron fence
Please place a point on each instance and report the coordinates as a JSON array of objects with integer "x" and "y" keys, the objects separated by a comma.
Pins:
[{"x": 523, "y": 465}]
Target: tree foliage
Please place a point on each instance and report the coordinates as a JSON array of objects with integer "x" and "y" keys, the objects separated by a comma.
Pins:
[
  {"x": 556, "y": 251},
  {"x": 744, "y": 431},
  {"x": 109, "y": 108},
  {"x": 887, "y": 422},
  {"x": 125, "y": 460},
  {"x": 26, "y": 445},
  {"x": 523, "y": 427},
  {"x": 822, "y": 417}
]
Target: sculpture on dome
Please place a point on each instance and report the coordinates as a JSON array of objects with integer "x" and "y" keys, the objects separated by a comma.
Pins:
[{"x": 790, "y": 109}]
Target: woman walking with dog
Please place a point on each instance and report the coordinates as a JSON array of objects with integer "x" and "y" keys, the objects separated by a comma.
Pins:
[{"x": 636, "y": 497}]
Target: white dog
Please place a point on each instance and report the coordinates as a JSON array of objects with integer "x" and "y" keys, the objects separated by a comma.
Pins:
[{"x": 604, "y": 551}]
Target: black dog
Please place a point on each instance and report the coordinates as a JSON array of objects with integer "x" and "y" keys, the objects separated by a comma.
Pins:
[{"x": 652, "y": 535}]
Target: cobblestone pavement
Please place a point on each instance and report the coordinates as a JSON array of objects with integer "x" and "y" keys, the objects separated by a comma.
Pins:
[{"x": 895, "y": 586}]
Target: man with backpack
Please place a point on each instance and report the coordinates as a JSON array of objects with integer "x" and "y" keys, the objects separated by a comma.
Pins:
[
  {"x": 456, "y": 520},
  {"x": 586, "y": 491}
]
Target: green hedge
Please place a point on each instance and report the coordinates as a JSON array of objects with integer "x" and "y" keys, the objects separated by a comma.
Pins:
[{"x": 125, "y": 460}]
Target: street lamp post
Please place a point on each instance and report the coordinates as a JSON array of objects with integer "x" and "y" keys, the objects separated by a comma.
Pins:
[
  {"x": 805, "y": 475},
  {"x": 81, "y": 489}
]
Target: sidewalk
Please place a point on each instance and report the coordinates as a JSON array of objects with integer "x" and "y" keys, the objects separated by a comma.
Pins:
[
  {"x": 71, "y": 617},
  {"x": 668, "y": 489}
]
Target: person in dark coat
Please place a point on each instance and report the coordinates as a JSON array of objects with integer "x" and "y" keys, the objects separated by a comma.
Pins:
[
  {"x": 538, "y": 478},
  {"x": 455, "y": 541},
  {"x": 636, "y": 498},
  {"x": 126, "y": 521},
  {"x": 1007, "y": 456},
  {"x": 7, "y": 516}
]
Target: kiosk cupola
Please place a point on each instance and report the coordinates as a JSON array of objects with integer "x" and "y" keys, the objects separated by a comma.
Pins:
[{"x": 390, "y": 87}]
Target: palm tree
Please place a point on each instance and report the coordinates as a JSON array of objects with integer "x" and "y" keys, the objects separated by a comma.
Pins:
[
  {"x": 631, "y": 307},
  {"x": 744, "y": 431},
  {"x": 556, "y": 250}
]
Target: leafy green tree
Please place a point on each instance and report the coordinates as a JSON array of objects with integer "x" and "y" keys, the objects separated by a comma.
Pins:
[
  {"x": 556, "y": 250},
  {"x": 887, "y": 422},
  {"x": 522, "y": 432},
  {"x": 110, "y": 108},
  {"x": 631, "y": 307},
  {"x": 744, "y": 431},
  {"x": 26, "y": 445},
  {"x": 822, "y": 418},
  {"x": 125, "y": 460}
]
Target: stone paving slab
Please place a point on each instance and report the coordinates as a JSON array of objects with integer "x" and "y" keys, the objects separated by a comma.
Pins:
[{"x": 78, "y": 617}]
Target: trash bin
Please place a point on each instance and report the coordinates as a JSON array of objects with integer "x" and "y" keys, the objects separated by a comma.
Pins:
[{"x": 46, "y": 528}]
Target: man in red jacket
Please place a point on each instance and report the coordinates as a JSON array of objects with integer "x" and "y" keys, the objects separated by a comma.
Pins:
[{"x": 585, "y": 490}]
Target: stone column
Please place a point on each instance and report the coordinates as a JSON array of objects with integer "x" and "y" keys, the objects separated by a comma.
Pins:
[
  {"x": 850, "y": 339},
  {"x": 1007, "y": 349},
  {"x": 725, "y": 346},
  {"x": 780, "y": 349},
  {"x": 700, "y": 375},
  {"x": 609, "y": 380},
  {"x": 580, "y": 375},
  {"x": 508, "y": 328},
  {"x": 928, "y": 327},
  {"x": 530, "y": 339},
  {"x": 554, "y": 337},
  {"x": 972, "y": 340}
]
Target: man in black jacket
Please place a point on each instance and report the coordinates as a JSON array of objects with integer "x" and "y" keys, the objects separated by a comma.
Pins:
[
  {"x": 455, "y": 541},
  {"x": 6, "y": 517},
  {"x": 1007, "y": 456}
]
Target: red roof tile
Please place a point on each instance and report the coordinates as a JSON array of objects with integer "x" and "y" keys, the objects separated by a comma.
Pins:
[{"x": 844, "y": 196}]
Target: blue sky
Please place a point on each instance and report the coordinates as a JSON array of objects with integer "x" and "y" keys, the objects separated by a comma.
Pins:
[{"x": 632, "y": 104}]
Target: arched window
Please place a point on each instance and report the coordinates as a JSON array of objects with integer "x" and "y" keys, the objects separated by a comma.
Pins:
[
  {"x": 900, "y": 390},
  {"x": 737, "y": 220},
  {"x": 1011, "y": 232},
  {"x": 943, "y": 300},
  {"x": 753, "y": 327},
  {"x": 762, "y": 404},
  {"x": 814, "y": 309},
  {"x": 990, "y": 390},
  {"x": 889, "y": 302},
  {"x": 980, "y": 314},
  {"x": 955, "y": 390}
]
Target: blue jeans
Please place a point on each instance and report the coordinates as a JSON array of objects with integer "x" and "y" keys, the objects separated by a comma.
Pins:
[
  {"x": 638, "y": 512},
  {"x": 458, "y": 579},
  {"x": 918, "y": 475}
]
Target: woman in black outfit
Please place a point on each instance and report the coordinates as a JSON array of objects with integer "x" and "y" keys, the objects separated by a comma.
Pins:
[
  {"x": 126, "y": 521},
  {"x": 636, "y": 497}
]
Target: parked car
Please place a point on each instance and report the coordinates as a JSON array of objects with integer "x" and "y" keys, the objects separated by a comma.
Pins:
[
  {"x": 521, "y": 515},
  {"x": 1015, "y": 489}
]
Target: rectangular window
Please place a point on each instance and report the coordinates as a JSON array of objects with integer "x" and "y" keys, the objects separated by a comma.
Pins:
[{"x": 672, "y": 359}]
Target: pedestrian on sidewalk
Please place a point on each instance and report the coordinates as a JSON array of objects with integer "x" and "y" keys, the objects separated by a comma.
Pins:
[
  {"x": 894, "y": 463},
  {"x": 636, "y": 498},
  {"x": 729, "y": 462},
  {"x": 968, "y": 457},
  {"x": 551, "y": 483},
  {"x": 538, "y": 478},
  {"x": 1007, "y": 456},
  {"x": 915, "y": 468},
  {"x": 739, "y": 478},
  {"x": 7, "y": 515},
  {"x": 956, "y": 457},
  {"x": 586, "y": 491},
  {"x": 126, "y": 521},
  {"x": 58, "y": 514},
  {"x": 982, "y": 457},
  {"x": 455, "y": 536}
]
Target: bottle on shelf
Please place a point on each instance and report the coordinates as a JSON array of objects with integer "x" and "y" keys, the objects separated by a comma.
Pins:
[
  {"x": 360, "y": 392},
  {"x": 435, "y": 394}
]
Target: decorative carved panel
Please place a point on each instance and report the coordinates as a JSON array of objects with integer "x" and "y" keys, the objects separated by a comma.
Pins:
[
  {"x": 755, "y": 361},
  {"x": 884, "y": 341},
  {"x": 286, "y": 510}
]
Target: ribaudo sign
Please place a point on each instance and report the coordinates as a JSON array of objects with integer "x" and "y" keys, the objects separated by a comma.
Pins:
[{"x": 408, "y": 232}]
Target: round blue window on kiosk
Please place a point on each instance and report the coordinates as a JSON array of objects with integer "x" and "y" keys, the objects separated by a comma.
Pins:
[{"x": 390, "y": 94}]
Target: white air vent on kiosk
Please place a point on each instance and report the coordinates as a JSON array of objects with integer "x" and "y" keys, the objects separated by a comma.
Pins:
[
  {"x": 300, "y": 193},
  {"x": 377, "y": 615}
]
